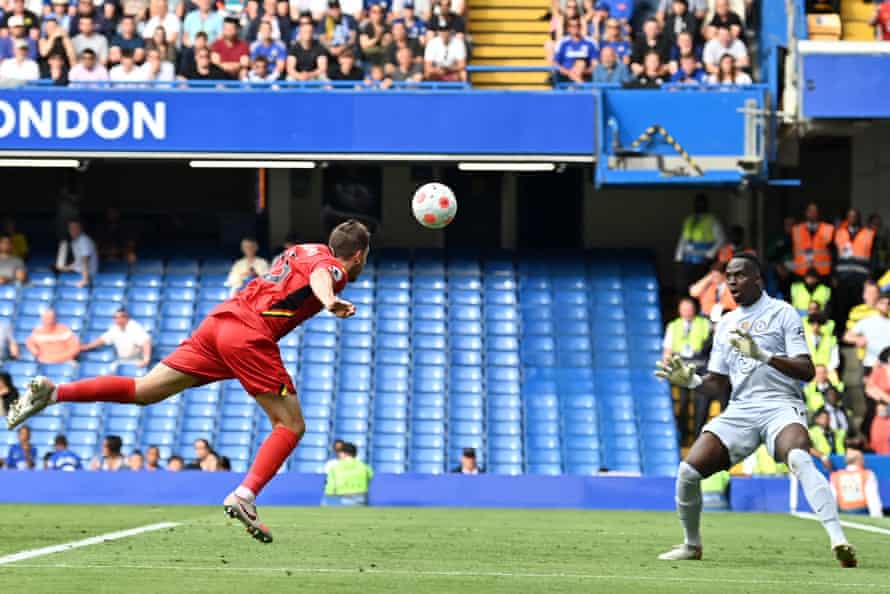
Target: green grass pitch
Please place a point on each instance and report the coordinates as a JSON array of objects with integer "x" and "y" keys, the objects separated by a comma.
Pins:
[{"x": 426, "y": 551}]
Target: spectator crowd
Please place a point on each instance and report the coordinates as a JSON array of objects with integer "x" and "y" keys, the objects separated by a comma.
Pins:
[
  {"x": 374, "y": 44},
  {"x": 689, "y": 42},
  {"x": 835, "y": 273}
]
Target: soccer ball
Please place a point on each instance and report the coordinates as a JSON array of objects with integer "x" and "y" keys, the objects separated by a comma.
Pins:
[{"x": 434, "y": 205}]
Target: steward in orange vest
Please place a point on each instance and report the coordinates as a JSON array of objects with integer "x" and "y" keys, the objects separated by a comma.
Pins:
[
  {"x": 811, "y": 244},
  {"x": 855, "y": 246},
  {"x": 734, "y": 245},
  {"x": 855, "y": 488}
]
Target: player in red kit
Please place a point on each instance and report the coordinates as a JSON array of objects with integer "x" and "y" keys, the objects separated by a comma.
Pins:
[{"x": 238, "y": 339}]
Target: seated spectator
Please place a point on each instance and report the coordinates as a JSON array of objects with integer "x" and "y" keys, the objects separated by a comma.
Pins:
[
  {"x": 175, "y": 463},
  {"x": 85, "y": 9},
  {"x": 136, "y": 461},
  {"x": 558, "y": 26},
  {"x": 8, "y": 391},
  {"x": 187, "y": 56},
  {"x": 17, "y": 11},
  {"x": 111, "y": 459},
  {"x": 127, "y": 40},
  {"x": 454, "y": 19},
  {"x": 406, "y": 70},
  {"x": 684, "y": 46},
  {"x": 348, "y": 479},
  {"x": 345, "y": 68},
  {"x": 153, "y": 458},
  {"x": 721, "y": 44},
  {"x": 107, "y": 26},
  {"x": 689, "y": 73},
  {"x": 572, "y": 49},
  {"x": 652, "y": 76},
  {"x": 166, "y": 50},
  {"x": 873, "y": 333},
  {"x": 879, "y": 438},
  {"x": 400, "y": 39},
  {"x": 814, "y": 309},
  {"x": 127, "y": 71},
  {"x": 728, "y": 74},
  {"x": 63, "y": 458},
  {"x": 55, "y": 41},
  {"x": 201, "y": 19},
  {"x": 815, "y": 391},
  {"x": 115, "y": 239},
  {"x": 714, "y": 298},
  {"x": 229, "y": 52},
  {"x": 157, "y": 69},
  {"x": 445, "y": 57},
  {"x": 19, "y": 241},
  {"x": 54, "y": 69},
  {"x": 680, "y": 20},
  {"x": 132, "y": 344},
  {"x": 19, "y": 68},
  {"x": 284, "y": 23},
  {"x": 377, "y": 79},
  {"x": 336, "y": 31},
  {"x": 650, "y": 41},
  {"x": 699, "y": 9},
  {"x": 52, "y": 342},
  {"x": 374, "y": 35},
  {"x": 272, "y": 51},
  {"x": 260, "y": 72},
  {"x": 12, "y": 268},
  {"x": 610, "y": 69},
  {"x": 724, "y": 18},
  {"x": 336, "y": 448},
  {"x": 89, "y": 38},
  {"x": 822, "y": 344},
  {"x": 22, "y": 455},
  {"x": 855, "y": 488},
  {"x": 203, "y": 68},
  {"x": 160, "y": 17},
  {"x": 206, "y": 458},
  {"x": 88, "y": 69},
  {"x": 307, "y": 59},
  {"x": 59, "y": 12},
  {"x": 811, "y": 288},
  {"x": 616, "y": 41},
  {"x": 78, "y": 254},
  {"x": 468, "y": 463},
  {"x": 247, "y": 267},
  {"x": 414, "y": 26},
  {"x": 825, "y": 440},
  {"x": 18, "y": 31}
]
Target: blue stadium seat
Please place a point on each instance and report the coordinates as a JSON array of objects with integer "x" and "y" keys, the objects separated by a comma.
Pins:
[
  {"x": 110, "y": 279},
  {"x": 177, "y": 309},
  {"x": 176, "y": 324},
  {"x": 151, "y": 294},
  {"x": 142, "y": 309}
]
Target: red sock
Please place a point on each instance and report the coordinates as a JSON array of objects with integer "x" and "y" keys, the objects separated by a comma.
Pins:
[
  {"x": 99, "y": 389},
  {"x": 274, "y": 451}
]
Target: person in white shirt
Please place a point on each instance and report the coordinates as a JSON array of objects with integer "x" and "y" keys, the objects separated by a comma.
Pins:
[
  {"x": 78, "y": 254},
  {"x": 728, "y": 74},
  {"x": 445, "y": 57},
  {"x": 90, "y": 39},
  {"x": 760, "y": 357},
  {"x": 20, "y": 67},
  {"x": 247, "y": 267},
  {"x": 160, "y": 16},
  {"x": 127, "y": 71},
  {"x": 129, "y": 338},
  {"x": 724, "y": 43},
  {"x": 157, "y": 69}
]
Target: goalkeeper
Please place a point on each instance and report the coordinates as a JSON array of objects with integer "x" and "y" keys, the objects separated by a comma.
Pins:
[{"x": 759, "y": 358}]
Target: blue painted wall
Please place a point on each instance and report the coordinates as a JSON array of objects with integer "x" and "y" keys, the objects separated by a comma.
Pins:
[{"x": 846, "y": 86}]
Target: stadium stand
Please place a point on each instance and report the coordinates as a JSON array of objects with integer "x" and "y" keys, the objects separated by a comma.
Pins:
[{"x": 542, "y": 365}]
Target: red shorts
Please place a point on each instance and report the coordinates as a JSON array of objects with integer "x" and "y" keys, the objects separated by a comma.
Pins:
[{"x": 223, "y": 347}]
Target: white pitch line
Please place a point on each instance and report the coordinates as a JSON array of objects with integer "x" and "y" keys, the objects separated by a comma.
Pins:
[
  {"x": 436, "y": 573},
  {"x": 846, "y": 524},
  {"x": 67, "y": 546}
]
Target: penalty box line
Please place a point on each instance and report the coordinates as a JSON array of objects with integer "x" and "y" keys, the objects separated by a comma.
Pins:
[{"x": 86, "y": 542}]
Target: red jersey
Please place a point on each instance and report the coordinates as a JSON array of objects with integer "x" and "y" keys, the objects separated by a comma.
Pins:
[
  {"x": 282, "y": 299},
  {"x": 883, "y": 20}
]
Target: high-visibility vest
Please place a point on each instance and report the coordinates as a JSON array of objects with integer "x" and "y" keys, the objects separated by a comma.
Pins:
[
  {"x": 821, "y": 355},
  {"x": 854, "y": 254},
  {"x": 690, "y": 345},
  {"x": 827, "y": 327},
  {"x": 815, "y": 399},
  {"x": 348, "y": 476},
  {"x": 766, "y": 464},
  {"x": 801, "y": 296},
  {"x": 812, "y": 251},
  {"x": 708, "y": 299},
  {"x": 849, "y": 487},
  {"x": 820, "y": 441},
  {"x": 726, "y": 253},
  {"x": 698, "y": 233}
]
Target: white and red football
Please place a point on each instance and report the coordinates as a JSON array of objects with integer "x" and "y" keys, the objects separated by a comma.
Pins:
[{"x": 434, "y": 205}]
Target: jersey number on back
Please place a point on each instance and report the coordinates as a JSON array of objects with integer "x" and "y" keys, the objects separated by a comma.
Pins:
[{"x": 279, "y": 272}]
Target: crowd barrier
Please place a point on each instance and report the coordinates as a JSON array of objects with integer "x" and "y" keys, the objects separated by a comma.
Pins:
[{"x": 404, "y": 490}]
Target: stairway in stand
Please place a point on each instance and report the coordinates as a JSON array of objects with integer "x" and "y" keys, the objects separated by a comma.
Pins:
[{"x": 509, "y": 33}]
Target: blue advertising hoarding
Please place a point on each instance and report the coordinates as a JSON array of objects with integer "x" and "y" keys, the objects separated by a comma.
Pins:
[{"x": 844, "y": 80}]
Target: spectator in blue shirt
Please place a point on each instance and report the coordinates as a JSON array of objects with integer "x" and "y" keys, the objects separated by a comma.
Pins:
[
  {"x": 202, "y": 19},
  {"x": 274, "y": 52},
  {"x": 414, "y": 27},
  {"x": 336, "y": 31},
  {"x": 63, "y": 458},
  {"x": 614, "y": 39},
  {"x": 620, "y": 9},
  {"x": 685, "y": 45},
  {"x": 690, "y": 72},
  {"x": 127, "y": 40},
  {"x": 610, "y": 69},
  {"x": 572, "y": 50},
  {"x": 22, "y": 455}
]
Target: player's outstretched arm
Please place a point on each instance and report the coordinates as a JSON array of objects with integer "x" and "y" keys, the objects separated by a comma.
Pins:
[
  {"x": 800, "y": 367},
  {"x": 322, "y": 284}
]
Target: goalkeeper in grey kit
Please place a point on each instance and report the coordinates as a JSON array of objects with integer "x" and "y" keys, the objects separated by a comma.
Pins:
[{"x": 760, "y": 357}]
